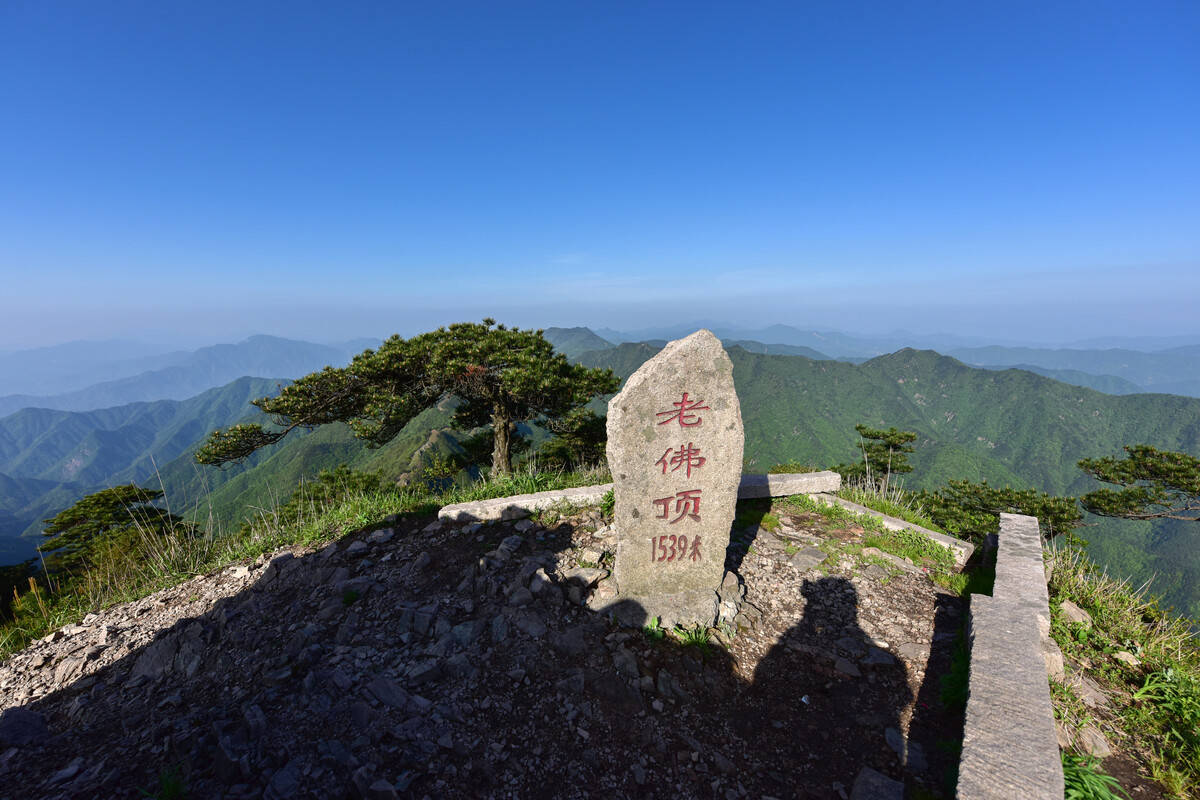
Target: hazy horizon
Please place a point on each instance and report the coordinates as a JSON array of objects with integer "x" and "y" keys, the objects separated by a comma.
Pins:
[{"x": 151, "y": 342}]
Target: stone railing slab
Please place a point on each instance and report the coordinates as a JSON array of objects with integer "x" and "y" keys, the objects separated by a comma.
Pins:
[
  {"x": 960, "y": 549},
  {"x": 1009, "y": 743},
  {"x": 522, "y": 505},
  {"x": 783, "y": 484}
]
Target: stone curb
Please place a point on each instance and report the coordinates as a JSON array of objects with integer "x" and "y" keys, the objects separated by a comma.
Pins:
[
  {"x": 522, "y": 505},
  {"x": 1010, "y": 748},
  {"x": 961, "y": 550}
]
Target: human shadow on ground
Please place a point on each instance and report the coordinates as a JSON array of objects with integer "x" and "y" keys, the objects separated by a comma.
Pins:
[
  {"x": 450, "y": 664},
  {"x": 829, "y": 696}
]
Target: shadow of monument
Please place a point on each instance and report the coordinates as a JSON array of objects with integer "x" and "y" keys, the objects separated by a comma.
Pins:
[
  {"x": 745, "y": 531},
  {"x": 412, "y": 670}
]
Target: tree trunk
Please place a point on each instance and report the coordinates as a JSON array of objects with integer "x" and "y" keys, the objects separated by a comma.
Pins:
[{"x": 502, "y": 431}]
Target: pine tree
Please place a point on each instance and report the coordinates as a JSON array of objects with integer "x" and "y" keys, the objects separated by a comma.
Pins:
[
  {"x": 504, "y": 376},
  {"x": 1155, "y": 484},
  {"x": 972, "y": 510},
  {"x": 112, "y": 517},
  {"x": 885, "y": 453}
]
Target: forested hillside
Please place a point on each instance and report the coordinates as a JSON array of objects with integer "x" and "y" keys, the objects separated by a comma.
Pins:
[
  {"x": 1008, "y": 427},
  {"x": 1005, "y": 426},
  {"x": 1109, "y": 384},
  {"x": 266, "y": 479},
  {"x": 49, "y": 459}
]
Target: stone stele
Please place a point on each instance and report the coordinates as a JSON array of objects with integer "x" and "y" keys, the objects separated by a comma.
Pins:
[{"x": 675, "y": 444}]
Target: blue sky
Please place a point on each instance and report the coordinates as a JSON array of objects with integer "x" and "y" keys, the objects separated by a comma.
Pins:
[{"x": 206, "y": 170}]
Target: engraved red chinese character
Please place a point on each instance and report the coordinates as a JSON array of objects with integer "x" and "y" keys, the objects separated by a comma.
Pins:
[
  {"x": 687, "y": 504},
  {"x": 688, "y": 457},
  {"x": 695, "y": 549},
  {"x": 683, "y": 413}
]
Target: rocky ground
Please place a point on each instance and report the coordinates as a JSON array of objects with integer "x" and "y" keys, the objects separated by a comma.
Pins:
[{"x": 435, "y": 661}]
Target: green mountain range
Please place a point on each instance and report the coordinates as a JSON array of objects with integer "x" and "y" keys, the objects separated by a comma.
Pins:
[
  {"x": 1109, "y": 384},
  {"x": 1007, "y": 426},
  {"x": 49, "y": 459},
  {"x": 1175, "y": 370},
  {"x": 1168, "y": 365}
]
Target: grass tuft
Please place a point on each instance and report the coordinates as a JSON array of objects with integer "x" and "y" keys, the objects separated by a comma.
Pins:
[
  {"x": 893, "y": 501},
  {"x": 917, "y": 547},
  {"x": 697, "y": 636},
  {"x": 171, "y": 786},
  {"x": 1155, "y": 705},
  {"x": 1084, "y": 780}
]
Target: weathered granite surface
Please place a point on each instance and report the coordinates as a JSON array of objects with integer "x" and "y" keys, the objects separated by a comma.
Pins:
[
  {"x": 1009, "y": 744},
  {"x": 675, "y": 447}
]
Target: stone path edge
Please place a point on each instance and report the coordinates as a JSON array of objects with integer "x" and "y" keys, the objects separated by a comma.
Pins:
[
  {"x": 522, "y": 505},
  {"x": 962, "y": 550},
  {"x": 818, "y": 485}
]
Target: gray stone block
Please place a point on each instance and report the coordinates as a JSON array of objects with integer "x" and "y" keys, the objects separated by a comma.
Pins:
[
  {"x": 786, "y": 484},
  {"x": 1010, "y": 746},
  {"x": 522, "y": 505},
  {"x": 806, "y": 558}
]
